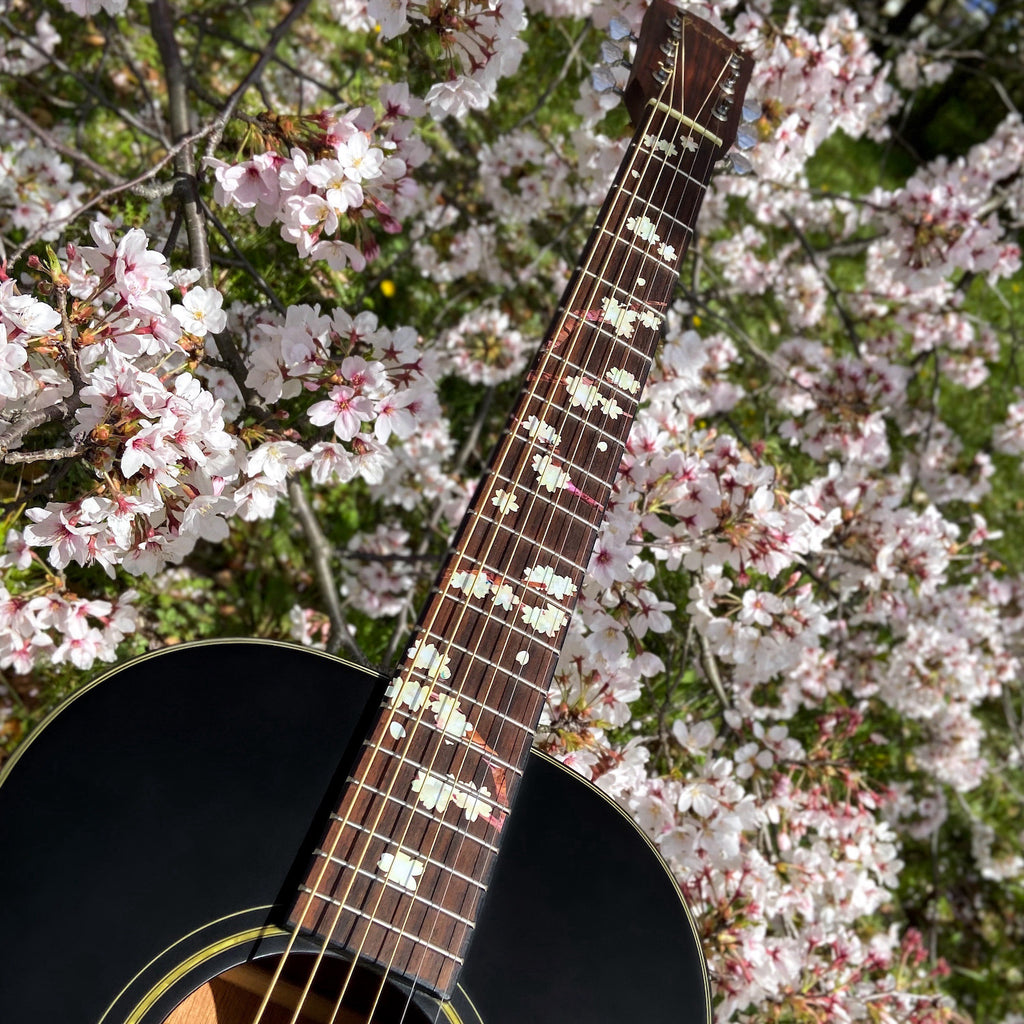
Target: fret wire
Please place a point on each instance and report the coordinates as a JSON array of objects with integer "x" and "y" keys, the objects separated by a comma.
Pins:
[
  {"x": 675, "y": 168},
  {"x": 551, "y": 553},
  {"x": 565, "y": 463},
  {"x": 644, "y": 354},
  {"x": 416, "y": 896},
  {"x": 648, "y": 256},
  {"x": 569, "y": 364},
  {"x": 610, "y": 357},
  {"x": 614, "y": 438},
  {"x": 422, "y": 811},
  {"x": 511, "y": 674},
  {"x": 645, "y": 255},
  {"x": 388, "y": 926},
  {"x": 455, "y": 645},
  {"x": 512, "y": 581},
  {"x": 608, "y": 332},
  {"x": 427, "y": 815},
  {"x": 483, "y": 705},
  {"x": 535, "y": 548},
  {"x": 485, "y": 756},
  {"x": 502, "y": 478},
  {"x": 682, "y": 225},
  {"x": 588, "y": 425},
  {"x": 431, "y": 635},
  {"x": 600, "y": 327},
  {"x": 504, "y": 623},
  {"x": 489, "y": 847},
  {"x": 417, "y": 853}
]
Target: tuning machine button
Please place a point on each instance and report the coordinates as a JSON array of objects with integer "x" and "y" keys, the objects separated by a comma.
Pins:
[
  {"x": 734, "y": 163},
  {"x": 746, "y": 136},
  {"x": 612, "y": 55},
  {"x": 618, "y": 29},
  {"x": 751, "y": 110},
  {"x": 603, "y": 80}
]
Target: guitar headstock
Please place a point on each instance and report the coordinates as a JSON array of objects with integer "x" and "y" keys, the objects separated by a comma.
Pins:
[{"x": 692, "y": 71}]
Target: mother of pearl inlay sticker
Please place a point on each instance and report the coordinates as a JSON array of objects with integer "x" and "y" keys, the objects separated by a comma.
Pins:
[
  {"x": 545, "y": 578},
  {"x": 623, "y": 379},
  {"x": 547, "y": 619},
  {"x": 550, "y": 474},
  {"x": 428, "y": 657},
  {"x": 505, "y": 500},
  {"x": 544, "y": 432},
  {"x": 583, "y": 392},
  {"x": 474, "y": 583},
  {"x": 400, "y": 869},
  {"x": 621, "y": 318},
  {"x": 644, "y": 228}
]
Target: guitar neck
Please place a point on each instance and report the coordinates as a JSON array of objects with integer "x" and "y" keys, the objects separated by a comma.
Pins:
[{"x": 403, "y": 868}]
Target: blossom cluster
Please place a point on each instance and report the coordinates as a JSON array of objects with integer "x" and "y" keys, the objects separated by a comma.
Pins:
[
  {"x": 795, "y": 658},
  {"x": 479, "y": 44},
  {"x": 37, "y": 188},
  {"x": 340, "y": 174}
]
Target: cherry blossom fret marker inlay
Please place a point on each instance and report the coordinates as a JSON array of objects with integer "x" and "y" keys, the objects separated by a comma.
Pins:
[{"x": 400, "y": 869}]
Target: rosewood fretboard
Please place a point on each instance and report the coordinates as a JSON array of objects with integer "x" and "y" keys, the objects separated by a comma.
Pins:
[{"x": 401, "y": 872}]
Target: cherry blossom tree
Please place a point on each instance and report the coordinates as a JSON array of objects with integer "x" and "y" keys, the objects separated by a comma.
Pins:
[{"x": 270, "y": 275}]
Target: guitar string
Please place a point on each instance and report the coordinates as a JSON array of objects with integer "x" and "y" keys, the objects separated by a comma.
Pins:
[
  {"x": 570, "y": 345},
  {"x": 435, "y": 839},
  {"x": 694, "y": 177},
  {"x": 580, "y": 326},
  {"x": 428, "y": 629},
  {"x": 466, "y": 749},
  {"x": 550, "y": 402},
  {"x": 633, "y": 200}
]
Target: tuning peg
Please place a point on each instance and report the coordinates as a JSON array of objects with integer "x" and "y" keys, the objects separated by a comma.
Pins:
[
  {"x": 612, "y": 54},
  {"x": 618, "y": 29},
  {"x": 751, "y": 110},
  {"x": 603, "y": 80},
  {"x": 735, "y": 163},
  {"x": 739, "y": 164},
  {"x": 746, "y": 136}
]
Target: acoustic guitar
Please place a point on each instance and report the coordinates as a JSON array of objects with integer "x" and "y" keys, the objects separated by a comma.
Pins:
[{"x": 248, "y": 832}]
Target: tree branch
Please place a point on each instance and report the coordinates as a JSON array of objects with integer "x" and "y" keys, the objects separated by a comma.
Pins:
[{"x": 162, "y": 24}]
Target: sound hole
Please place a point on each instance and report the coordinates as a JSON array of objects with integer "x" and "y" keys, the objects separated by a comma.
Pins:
[{"x": 234, "y": 997}]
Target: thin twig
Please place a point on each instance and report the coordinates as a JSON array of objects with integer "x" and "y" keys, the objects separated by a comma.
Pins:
[
  {"x": 221, "y": 120},
  {"x": 45, "y": 454},
  {"x": 320, "y": 550},
  {"x": 833, "y": 291},
  {"x": 13, "y": 111}
]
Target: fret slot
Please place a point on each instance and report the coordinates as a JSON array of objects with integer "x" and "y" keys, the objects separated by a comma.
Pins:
[
  {"x": 385, "y": 924},
  {"x": 442, "y": 772},
  {"x": 429, "y": 961},
  {"x": 468, "y": 879}
]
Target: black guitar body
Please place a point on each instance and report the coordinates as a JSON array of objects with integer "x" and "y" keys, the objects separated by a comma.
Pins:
[{"x": 152, "y": 831}]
